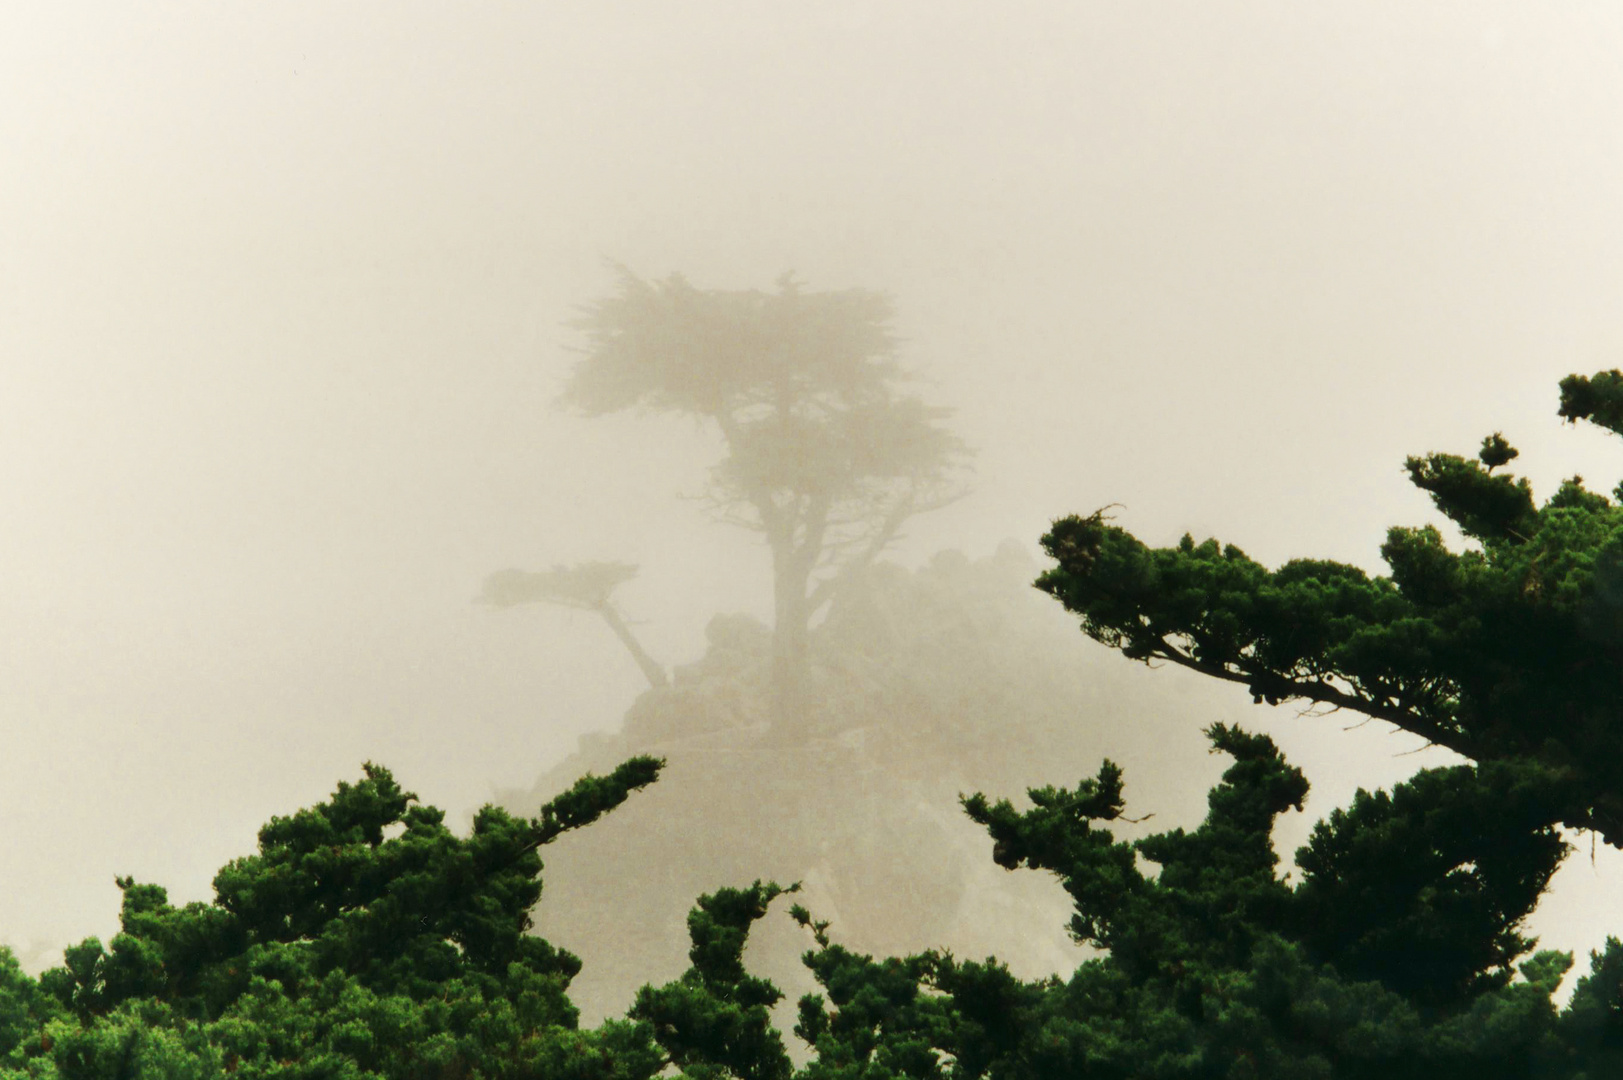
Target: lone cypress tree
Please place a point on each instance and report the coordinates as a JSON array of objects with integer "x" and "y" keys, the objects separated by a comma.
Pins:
[{"x": 826, "y": 454}]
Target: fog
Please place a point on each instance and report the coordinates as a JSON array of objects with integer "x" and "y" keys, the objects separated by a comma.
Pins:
[{"x": 285, "y": 300}]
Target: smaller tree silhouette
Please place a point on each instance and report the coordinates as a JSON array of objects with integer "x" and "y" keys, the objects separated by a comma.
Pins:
[{"x": 589, "y": 586}]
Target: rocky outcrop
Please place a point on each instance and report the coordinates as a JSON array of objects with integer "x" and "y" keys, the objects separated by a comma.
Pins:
[{"x": 928, "y": 683}]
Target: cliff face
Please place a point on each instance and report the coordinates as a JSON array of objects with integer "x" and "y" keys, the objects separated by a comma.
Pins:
[{"x": 952, "y": 678}]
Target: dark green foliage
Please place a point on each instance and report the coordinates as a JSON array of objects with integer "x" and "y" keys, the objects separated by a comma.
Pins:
[
  {"x": 1423, "y": 888},
  {"x": 1496, "y": 451},
  {"x": 1593, "y": 1021},
  {"x": 1510, "y": 651},
  {"x": 1485, "y": 507},
  {"x": 1214, "y": 967},
  {"x": 1597, "y": 398},
  {"x": 591, "y": 797},
  {"x": 714, "y": 1021},
  {"x": 365, "y": 939}
]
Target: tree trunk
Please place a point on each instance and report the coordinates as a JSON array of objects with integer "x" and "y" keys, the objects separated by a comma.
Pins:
[
  {"x": 795, "y": 552},
  {"x": 790, "y": 718},
  {"x": 650, "y": 669}
]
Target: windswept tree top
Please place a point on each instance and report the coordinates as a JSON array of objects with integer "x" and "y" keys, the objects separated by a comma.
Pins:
[
  {"x": 804, "y": 386},
  {"x": 669, "y": 346},
  {"x": 1510, "y": 650}
]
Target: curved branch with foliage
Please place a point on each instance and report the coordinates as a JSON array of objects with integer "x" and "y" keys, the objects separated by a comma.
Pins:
[
  {"x": 1395, "y": 954},
  {"x": 1510, "y": 650}
]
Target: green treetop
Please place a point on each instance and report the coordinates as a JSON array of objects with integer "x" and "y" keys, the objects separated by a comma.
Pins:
[
  {"x": 365, "y": 939},
  {"x": 1393, "y": 956}
]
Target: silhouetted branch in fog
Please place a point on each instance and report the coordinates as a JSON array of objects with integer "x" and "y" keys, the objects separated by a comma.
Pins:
[{"x": 588, "y": 586}]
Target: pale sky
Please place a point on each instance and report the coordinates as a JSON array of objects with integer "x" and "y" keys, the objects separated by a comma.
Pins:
[{"x": 282, "y": 301}]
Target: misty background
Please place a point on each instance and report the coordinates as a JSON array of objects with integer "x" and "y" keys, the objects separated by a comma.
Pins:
[{"x": 283, "y": 307}]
